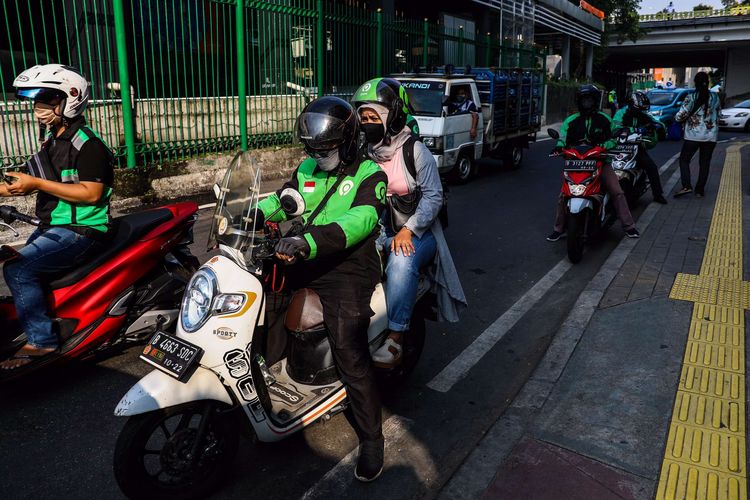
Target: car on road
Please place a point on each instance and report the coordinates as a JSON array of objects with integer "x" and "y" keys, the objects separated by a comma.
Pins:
[
  {"x": 737, "y": 116},
  {"x": 666, "y": 103}
]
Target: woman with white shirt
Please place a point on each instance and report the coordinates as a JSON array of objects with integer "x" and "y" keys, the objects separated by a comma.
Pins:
[
  {"x": 700, "y": 115},
  {"x": 412, "y": 234}
]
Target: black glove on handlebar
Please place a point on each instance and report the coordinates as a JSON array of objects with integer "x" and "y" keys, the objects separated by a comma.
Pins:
[
  {"x": 293, "y": 247},
  {"x": 557, "y": 150}
]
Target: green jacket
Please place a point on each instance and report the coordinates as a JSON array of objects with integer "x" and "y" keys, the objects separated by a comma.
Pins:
[
  {"x": 633, "y": 120},
  {"x": 351, "y": 214},
  {"x": 596, "y": 129}
]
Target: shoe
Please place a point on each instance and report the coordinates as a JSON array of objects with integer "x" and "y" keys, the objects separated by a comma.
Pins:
[
  {"x": 554, "y": 236},
  {"x": 389, "y": 354},
  {"x": 659, "y": 198},
  {"x": 683, "y": 192},
  {"x": 633, "y": 233},
  {"x": 370, "y": 461},
  {"x": 699, "y": 194}
]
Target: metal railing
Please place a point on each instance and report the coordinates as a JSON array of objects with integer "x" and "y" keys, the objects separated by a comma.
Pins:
[
  {"x": 739, "y": 10},
  {"x": 175, "y": 78}
]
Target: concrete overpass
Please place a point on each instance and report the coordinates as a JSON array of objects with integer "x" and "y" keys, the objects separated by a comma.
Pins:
[{"x": 718, "y": 38}]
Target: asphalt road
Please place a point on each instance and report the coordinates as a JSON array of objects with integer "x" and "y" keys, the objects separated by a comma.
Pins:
[{"x": 57, "y": 430}]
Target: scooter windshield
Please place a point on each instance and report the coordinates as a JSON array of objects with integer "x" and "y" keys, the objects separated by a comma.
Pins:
[{"x": 233, "y": 224}]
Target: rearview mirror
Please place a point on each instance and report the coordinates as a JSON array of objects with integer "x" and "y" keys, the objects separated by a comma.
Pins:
[
  {"x": 553, "y": 133},
  {"x": 292, "y": 202}
]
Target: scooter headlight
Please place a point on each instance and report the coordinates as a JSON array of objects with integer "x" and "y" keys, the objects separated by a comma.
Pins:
[
  {"x": 196, "y": 304},
  {"x": 577, "y": 189}
]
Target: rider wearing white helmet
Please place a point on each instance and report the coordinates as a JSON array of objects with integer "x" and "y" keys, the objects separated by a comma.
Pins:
[{"x": 72, "y": 175}]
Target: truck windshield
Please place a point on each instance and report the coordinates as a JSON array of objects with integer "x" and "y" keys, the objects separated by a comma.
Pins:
[
  {"x": 661, "y": 98},
  {"x": 425, "y": 97}
]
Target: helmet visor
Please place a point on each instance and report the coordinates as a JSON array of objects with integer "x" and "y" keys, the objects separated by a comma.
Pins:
[
  {"x": 320, "y": 132},
  {"x": 40, "y": 94}
]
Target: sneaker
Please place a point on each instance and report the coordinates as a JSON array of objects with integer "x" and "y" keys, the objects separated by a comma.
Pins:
[
  {"x": 370, "y": 461},
  {"x": 554, "y": 236},
  {"x": 389, "y": 354},
  {"x": 699, "y": 194},
  {"x": 633, "y": 233},
  {"x": 683, "y": 192},
  {"x": 659, "y": 198}
]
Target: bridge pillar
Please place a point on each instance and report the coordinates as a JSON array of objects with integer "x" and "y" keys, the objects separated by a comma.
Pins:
[
  {"x": 737, "y": 73},
  {"x": 589, "y": 60},
  {"x": 565, "y": 70}
]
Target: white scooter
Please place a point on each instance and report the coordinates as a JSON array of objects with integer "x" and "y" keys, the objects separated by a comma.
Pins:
[
  {"x": 632, "y": 177},
  {"x": 212, "y": 379}
]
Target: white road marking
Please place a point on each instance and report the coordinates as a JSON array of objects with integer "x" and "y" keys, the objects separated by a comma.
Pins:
[
  {"x": 544, "y": 139},
  {"x": 460, "y": 366}
]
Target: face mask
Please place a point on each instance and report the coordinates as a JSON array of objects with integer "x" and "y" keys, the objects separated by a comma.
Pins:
[
  {"x": 374, "y": 132},
  {"x": 460, "y": 98},
  {"x": 46, "y": 116},
  {"x": 327, "y": 160}
]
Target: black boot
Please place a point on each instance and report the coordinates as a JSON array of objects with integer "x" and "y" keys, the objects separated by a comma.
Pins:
[{"x": 370, "y": 462}]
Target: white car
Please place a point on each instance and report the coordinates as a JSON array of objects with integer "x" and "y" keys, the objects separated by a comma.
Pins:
[{"x": 736, "y": 117}]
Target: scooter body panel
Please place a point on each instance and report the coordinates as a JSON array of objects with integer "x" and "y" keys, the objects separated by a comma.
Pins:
[
  {"x": 578, "y": 205},
  {"x": 158, "y": 390}
]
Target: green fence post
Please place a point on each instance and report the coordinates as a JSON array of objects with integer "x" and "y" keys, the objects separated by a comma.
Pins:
[
  {"x": 320, "y": 48},
  {"x": 241, "y": 71},
  {"x": 122, "y": 67},
  {"x": 379, "y": 43},
  {"x": 425, "y": 43},
  {"x": 460, "y": 46},
  {"x": 487, "y": 50}
]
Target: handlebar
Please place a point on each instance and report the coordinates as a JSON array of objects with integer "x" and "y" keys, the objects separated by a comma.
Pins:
[{"x": 9, "y": 214}]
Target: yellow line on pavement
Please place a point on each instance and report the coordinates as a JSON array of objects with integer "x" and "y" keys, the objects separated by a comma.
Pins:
[{"x": 705, "y": 456}]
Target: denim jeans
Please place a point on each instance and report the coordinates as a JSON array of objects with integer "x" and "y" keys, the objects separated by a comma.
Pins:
[
  {"x": 402, "y": 277},
  {"x": 47, "y": 254}
]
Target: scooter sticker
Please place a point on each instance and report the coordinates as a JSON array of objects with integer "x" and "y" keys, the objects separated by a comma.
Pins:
[
  {"x": 237, "y": 364},
  {"x": 286, "y": 394},
  {"x": 256, "y": 409},
  {"x": 246, "y": 388},
  {"x": 225, "y": 333}
]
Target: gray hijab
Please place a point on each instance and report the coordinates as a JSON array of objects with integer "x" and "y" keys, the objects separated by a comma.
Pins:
[{"x": 385, "y": 149}]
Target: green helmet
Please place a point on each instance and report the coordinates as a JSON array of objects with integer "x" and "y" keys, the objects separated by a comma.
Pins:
[{"x": 389, "y": 93}]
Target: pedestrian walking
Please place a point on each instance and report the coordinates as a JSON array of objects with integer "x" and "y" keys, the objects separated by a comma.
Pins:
[
  {"x": 699, "y": 114},
  {"x": 612, "y": 102}
]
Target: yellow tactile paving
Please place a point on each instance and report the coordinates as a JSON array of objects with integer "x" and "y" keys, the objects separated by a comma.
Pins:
[{"x": 706, "y": 452}]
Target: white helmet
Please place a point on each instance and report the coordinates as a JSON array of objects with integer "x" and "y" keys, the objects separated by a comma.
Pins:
[{"x": 49, "y": 82}]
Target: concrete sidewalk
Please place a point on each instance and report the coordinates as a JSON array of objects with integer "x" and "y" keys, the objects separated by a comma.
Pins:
[{"x": 593, "y": 420}]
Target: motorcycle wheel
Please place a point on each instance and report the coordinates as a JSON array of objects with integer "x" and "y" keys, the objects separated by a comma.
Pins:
[
  {"x": 153, "y": 449},
  {"x": 576, "y": 236}
]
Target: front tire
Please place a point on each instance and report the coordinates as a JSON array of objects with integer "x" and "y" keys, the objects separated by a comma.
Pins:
[
  {"x": 463, "y": 170},
  {"x": 153, "y": 451},
  {"x": 576, "y": 236}
]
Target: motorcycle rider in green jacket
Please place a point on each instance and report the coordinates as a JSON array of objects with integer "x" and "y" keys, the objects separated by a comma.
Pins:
[
  {"x": 336, "y": 256},
  {"x": 636, "y": 116}
]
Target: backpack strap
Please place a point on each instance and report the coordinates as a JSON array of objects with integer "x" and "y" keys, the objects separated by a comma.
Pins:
[{"x": 408, "y": 152}]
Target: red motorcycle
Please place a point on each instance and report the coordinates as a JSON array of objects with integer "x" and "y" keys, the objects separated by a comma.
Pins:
[
  {"x": 122, "y": 295},
  {"x": 588, "y": 206}
]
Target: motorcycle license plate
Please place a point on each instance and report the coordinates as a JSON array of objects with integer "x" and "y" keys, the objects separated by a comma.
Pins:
[
  {"x": 173, "y": 356},
  {"x": 624, "y": 148},
  {"x": 580, "y": 164}
]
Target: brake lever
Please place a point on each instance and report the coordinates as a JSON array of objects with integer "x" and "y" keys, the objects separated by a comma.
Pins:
[{"x": 15, "y": 233}]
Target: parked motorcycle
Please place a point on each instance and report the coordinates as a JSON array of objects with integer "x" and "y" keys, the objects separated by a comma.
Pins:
[
  {"x": 589, "y": 208},
  {"x": 223, "y": 372},
  {"x": 119, "y": 296}
]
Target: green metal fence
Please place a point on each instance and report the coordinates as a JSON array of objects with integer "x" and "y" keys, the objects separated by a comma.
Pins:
[{"x": 175, "y": 78}]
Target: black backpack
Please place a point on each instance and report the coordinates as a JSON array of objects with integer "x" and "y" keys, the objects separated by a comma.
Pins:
[{"x": 408, "y": 151}]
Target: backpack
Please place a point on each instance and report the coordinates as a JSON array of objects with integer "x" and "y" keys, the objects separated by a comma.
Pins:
[{"x": 408, "y": 152}]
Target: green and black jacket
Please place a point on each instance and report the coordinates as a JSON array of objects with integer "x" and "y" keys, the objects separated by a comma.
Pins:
[
  {"x": 596, "y": 129},
  {"x": 346, "y": 227},
  {"x": 77, "y": 155},
  {"x": 631, "y": 120}
]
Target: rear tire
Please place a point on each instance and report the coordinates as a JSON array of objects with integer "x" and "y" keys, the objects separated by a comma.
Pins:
[
  {"x": 513, "y": 157},
  {"x": 463, "y": 170},
  {"x": 175, "y": 476},
  {"x": 576, "y": 236}
]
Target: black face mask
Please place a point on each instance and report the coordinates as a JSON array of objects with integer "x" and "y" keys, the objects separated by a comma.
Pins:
[{"x": 374, "y": 132}]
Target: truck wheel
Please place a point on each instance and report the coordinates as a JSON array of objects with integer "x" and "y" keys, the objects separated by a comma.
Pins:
[
  {"x": 463, "y": 170},
  {"x": 513, "y": 156}
]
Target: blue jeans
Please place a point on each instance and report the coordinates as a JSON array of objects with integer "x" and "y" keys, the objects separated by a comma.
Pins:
[
  {"x": 47, "y": 253},
  {"x": 402, "y": 277}
]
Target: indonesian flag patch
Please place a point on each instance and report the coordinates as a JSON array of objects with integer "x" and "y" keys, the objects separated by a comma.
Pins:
[{"x": 309, "y": 187}]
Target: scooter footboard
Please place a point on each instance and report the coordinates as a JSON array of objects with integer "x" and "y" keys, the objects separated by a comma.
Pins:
[{"x": 157, "y": 390}]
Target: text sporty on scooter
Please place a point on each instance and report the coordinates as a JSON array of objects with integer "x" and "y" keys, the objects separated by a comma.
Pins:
[
  {"x": 121, "y": 295},
  {"x": 632, "y": 177},
  {"x": 219, "y": 374},
  {"x": 588, "y": 206}
]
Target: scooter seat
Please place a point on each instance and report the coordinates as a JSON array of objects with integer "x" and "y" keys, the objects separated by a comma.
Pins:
[
  {"x": 304, "y": 314},
  {"x": 124, "y": 231}
]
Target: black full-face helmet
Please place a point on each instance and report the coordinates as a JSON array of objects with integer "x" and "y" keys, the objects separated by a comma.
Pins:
[
  {"x": 588, "y": 98},
  {"x": 639, "y": 101},
  {"x": 327, "y": 124}
]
